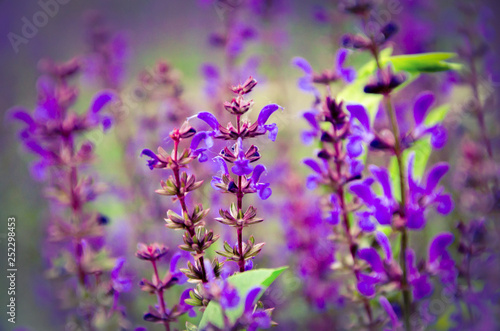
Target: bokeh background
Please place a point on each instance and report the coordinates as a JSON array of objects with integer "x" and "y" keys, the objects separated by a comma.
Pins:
[{"x": 178, "y": 32}]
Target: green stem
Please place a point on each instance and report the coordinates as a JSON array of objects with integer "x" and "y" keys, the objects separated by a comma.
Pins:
[{"x": 402, "y": 212}]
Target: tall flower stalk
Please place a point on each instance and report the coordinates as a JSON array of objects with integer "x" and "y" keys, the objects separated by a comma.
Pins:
[
  {"x": 56, "y": 134},
  {"x": 247, "y": 178}
]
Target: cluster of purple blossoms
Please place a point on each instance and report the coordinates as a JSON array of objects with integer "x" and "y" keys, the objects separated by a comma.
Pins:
[
  {"x": 247, "y": 178},
  {"x": 57, "y": 134},
  {"x": 196, "y": 238}
]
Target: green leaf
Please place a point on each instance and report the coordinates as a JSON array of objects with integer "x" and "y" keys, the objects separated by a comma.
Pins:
[
  {"x": 425, "y": 62},
  {"x": 244, "y": 282}
]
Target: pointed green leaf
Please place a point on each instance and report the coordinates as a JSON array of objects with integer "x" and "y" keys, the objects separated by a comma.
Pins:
[{"x": 425, "y": 62}]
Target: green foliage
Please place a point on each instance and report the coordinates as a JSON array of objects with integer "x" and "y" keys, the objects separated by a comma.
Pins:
[
  {"x": 243, "y": 282},
  {"x": 420, "y": 63}
]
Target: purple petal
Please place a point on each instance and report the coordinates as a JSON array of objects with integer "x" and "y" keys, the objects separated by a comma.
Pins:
[
  {"x": 438, "y": 246},
  {"x": 210, "y": 71},
  {"x": 334, "y": 215},
  {"x": 257, "y": 172},
  {"x": 364, "y": 192},
  {"x": 435, "y": 175},
  {"x": 348, "y": 74},
  {"x": 421, "y": 287},
  {"x": 366, "y": 285},
  {"x": 390, "y": 312},
  {"x": 242, "y": 167},
  {"x": 22, "y": 115},
  {"x": 251, "y": 298},
  {"x": 302, "y": 64},
  {"x": 209, "y": 119},
  {"x": 222, "y": 164},
  {"x": 173, "y": 262},
  {"x": 382, "y": 176},
  {"x": 101, "y": 100},
  {"x": 383, "y": 213},
  {"x": 273, "y": 131},
  {"x": 439, "y": 136},
  {"x": 445, "y": 204},
  {"x": 264, "y": 191},
  {"x": 415, "y": 218},
  {"x": 365, "y": 222},
  {"x": 154, "y": 159},
  {"x": 383, "y": 241},
  {"x": 306, "y": 85},
  {"x": 371, "y": 256},
  {"x": 313, "y": 165},
  {"x": 359, "y": 112},
  {"x": 229, "y": 297},
  {"x": 311, "y": 119},
  {"x": 422, "y": 105},
  {"x": 107, "y": 122},
  {"x": 266, "y": 112},
  {"x": 354, "y": 146},
  {"x": 341, "y": 57},
  {"x": 199, "y": 137}
]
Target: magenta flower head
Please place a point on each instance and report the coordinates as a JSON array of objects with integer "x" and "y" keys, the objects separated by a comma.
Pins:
[{"x": 151, "y": 252}]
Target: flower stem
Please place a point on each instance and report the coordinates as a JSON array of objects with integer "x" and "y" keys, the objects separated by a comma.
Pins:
[
  {"x": 345, "y": 217},
  {"x": 402, "y": 211},
  {"x": 182, "y": 200},
  {"x": 239, "y": 197},
  {"x": 161, "y": 299}
]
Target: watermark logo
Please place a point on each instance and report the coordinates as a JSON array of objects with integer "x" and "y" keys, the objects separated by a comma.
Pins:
[{"x": 32, "y": 25}]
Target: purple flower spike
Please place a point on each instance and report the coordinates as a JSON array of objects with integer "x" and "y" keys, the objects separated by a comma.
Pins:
[{"x": 422, "y": 105}]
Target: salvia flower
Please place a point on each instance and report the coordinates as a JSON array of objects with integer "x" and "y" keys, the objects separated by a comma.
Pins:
[{"x": 339, "y": 72}]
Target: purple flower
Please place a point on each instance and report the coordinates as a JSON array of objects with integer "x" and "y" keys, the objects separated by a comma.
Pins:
[
  {"x": 360, "y": 130},
  {"x": 437, "y": 132},
  {"x": 254, "y": 319},
  {"x": 242, "y": 164},
  {"x": 184, "y": 306},
  {"x": 263, "y": 189},
  {"x": 306, "y": 82},
  {"x": 440, "y": 261}
]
